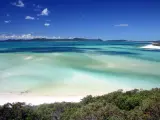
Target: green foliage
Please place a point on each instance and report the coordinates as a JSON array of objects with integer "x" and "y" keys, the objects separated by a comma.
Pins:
[
  {"x": 118, "y": 105},
  {"x": 17, "y": 111},
  {"x": 87, "y": 99}
]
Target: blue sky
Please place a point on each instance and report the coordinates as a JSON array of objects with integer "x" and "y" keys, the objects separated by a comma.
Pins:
[{"x": 106, "y": 19}]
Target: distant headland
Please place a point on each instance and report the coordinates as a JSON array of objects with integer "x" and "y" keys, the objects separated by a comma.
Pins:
[
  {"x": 65, "y": 40},
  {"x": 156, "y": 43},
  {"x": 54, "y": 39}
]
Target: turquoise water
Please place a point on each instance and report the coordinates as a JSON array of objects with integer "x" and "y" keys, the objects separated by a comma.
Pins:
[{"x": 76, "y": 68}]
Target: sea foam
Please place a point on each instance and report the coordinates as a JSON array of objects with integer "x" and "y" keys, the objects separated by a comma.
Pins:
[
  {"x": 28, "y": 58},
  {"x": 150, "y": 46}
]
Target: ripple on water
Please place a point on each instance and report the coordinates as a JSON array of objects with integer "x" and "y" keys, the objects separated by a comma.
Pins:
[{"x": 28, "y": 57}]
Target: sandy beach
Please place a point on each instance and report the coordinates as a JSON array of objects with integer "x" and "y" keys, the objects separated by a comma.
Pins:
[{"x": 36, "y": 100}]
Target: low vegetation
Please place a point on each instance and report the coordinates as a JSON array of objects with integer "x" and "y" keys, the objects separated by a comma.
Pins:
[{"x": 118, "y": 105}]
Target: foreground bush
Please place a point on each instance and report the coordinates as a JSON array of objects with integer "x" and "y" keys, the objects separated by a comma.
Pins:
[{"x": 118, "y": 105}]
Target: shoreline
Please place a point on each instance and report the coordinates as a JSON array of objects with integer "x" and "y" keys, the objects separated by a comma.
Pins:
[
  {"x": 33, "y": 99},
  {"x": 37, "y": 100}
]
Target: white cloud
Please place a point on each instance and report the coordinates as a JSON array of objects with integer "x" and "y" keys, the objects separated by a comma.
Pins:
[
  {"x": 45, "y": 12},
  {"x": 19, "y": 3},
  {"x": 23, "y": 36},
  {"x": 46, "y": 24},
  {"x": 29, "y": 18},
  {"x": 121, "y": 25},
  {"x": 7, "y": 21}
]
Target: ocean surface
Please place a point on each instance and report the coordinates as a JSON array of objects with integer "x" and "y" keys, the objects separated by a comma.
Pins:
[{"x": 48, "y": 68}]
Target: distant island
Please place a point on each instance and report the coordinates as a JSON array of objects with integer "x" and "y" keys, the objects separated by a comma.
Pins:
[
  {"x": 76, "y": 39},
  {"x": 54, "y": 39},
  {"x": 66, "y": 39}
]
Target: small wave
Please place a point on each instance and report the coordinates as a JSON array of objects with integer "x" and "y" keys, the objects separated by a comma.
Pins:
[
  {"x": 28, "y": 58},
  {"x": 151, "y": 47},
  {"x": 56, "y": 54}
]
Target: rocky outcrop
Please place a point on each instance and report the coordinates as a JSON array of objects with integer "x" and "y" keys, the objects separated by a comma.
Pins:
[{"x": 156, "y": 43}]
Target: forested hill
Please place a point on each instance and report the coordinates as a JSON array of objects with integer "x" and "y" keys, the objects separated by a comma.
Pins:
[
  {"x": 54, "y": 39},
  {"x": 118, "y": 105}
]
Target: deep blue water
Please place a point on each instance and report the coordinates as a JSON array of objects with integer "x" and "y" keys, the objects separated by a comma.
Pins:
[{"x": 126, "y": 48}]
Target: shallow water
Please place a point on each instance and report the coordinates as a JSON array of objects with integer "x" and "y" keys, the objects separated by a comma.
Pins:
[{"x": 76, "y": 68}]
